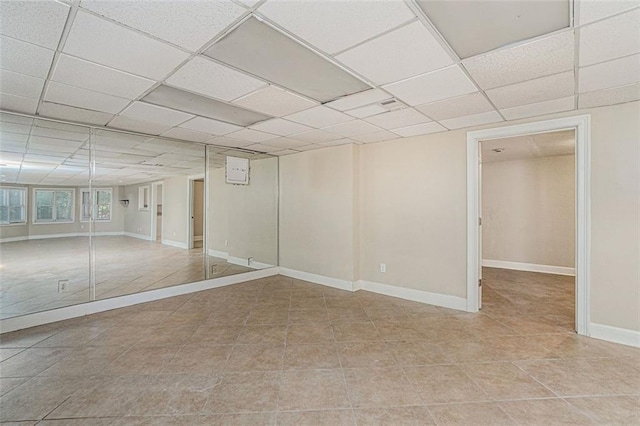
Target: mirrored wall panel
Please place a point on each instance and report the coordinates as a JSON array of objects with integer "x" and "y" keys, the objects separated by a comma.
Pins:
[
  {"x": 242, "y": 211},
  {"x": 88, "y": 213},
  {"x": 44, "y": 243},
  {"x": 145, "y": 183}
]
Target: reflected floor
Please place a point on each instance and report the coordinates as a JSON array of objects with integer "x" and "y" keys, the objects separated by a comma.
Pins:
[
  {"x": 31, "y": 270},
  {"x": 284, "y": 351}
]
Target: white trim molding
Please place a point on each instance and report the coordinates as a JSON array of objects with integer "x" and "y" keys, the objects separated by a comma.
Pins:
[
  {"x": 317, "y": 279},
  {"x": 138, "y": 236},
  {"x": 246, "y": 262},
  {"x": 218, "y": 253},
  {"x": 66, "y": 235},
  {"x": 81, "y": 309},
  {"x": 178, "y": 244},
  {"x": 529, "y": 267},
  {"x": 623, "y": 336},
  {"x": 582, "y": 126},
  {"x": 437, "y": 299}
]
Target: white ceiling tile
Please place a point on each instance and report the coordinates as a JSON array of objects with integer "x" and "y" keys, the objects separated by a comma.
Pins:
[
  {"x": 609, "y": 39},
  {"x": 336, "y": 142},
  {"x": 281, "y": 127},
  {"x": 14, "y": 128},
  {"x": 85, "y": 74},
  {"x": 407, "y": 52},
  {"x": 65, "y": 112},
  {"x": 545, "y": 56},
  {"x": 472, "y": 120},
  {"x": 156, "y": 114},
  {"x": 251, "y": 135},
  {"x": 285, "y": 143},
  {"x": 126, "y": 123},
  {"x": 207, "y": 125},
  {"x": 315, "y": 136},
  {"x": 109, "y": 44},
  {"x": 539, "y": 108},
  {"x": 308, "y": 147},
  {"x": 352, "y": 128},
  {"x": 25, "y": 58},
  {"x": 188, "y": 24},
  {"x": 18, "y": 103},
  {"x": 12, "y": 118},
  {"x": 333, "y": 26},
  {"x": 366, "y": 111},
  {"x": 359, "y": 99},
  {"x": 473, "y": 103},
  {"x": 434, "y": 86},
  {"x": 211, "y": 79},
  {"x": 284, "y": 152},
  {"x": 249, "y": 3},
  {"x": 274, "y": 101},
  {"x": 20, "y": 84},
  {"x": 605, "y": 75},
  {"x": 592, "y": 10},
  {"x": 186, "y": 134},
  {"x": 378, "y": 136},
  {"x": 60, "y": 134},
  {"x": 420, "y": 129},
  {"x": 319, "y": 116},
  {"x": 231, "y": 143},
  {"x": 263, "y": 148},
  {"x": 396, "y": 119},
  {"x": 616, "y": 95},
  {"x": 69, "y": 95},
  {"x": 37, "y": 22},
  {"x": 532, "y": 91}
]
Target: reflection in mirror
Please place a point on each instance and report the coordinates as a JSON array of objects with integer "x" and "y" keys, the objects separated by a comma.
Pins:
[
  {"x": 242, "y": 211},
  {"x": 44, "y": 243},
  {"x": 146, "y": 244}
]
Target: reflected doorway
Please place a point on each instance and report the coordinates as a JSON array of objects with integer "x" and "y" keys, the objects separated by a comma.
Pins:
[
  {"x": 196, "y": 226},
  {"x": 157, "y": 211}
]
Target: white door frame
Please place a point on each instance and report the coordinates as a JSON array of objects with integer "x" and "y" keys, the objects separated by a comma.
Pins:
[
  {"x": 154, "y": 210},
  {"x": 582, "y": 126}
]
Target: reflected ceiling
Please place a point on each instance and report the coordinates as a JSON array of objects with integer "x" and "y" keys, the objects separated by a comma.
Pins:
[{"x": 96, "y": 61}]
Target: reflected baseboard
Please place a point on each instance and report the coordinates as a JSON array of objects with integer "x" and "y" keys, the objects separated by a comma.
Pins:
[
  {"x": 138, "y": 236},
  {"x": 218, "y": 253},
  {"x": 82, "y": 309},
  {"x": 178, "y": 244},
  {"x": 238, "y": 260},
  {"x": 66, "y": 235}
]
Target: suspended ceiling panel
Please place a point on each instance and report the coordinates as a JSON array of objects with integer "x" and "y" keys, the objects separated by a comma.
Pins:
[{"x": 476, "y": 27}]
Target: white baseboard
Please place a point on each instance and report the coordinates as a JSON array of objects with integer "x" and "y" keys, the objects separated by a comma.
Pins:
[
  {"x": 437, "y": 299},
  {"x": 81, "y": 309},
  {"x": 197, "y": 238},
  {"x": 139, "y": 236},
  {"x": 529, "y": 267},
  {"x": 614, "y": 334},
  {"x": 178, "y": 244},
  {"x": 218, "y": 253},
  {"x": 245, "y": 262},
  {"x": 317, "y": 279},
  {"x": 66, "y": 235}
]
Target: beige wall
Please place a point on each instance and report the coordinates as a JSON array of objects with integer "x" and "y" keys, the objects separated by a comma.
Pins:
[
  {"x": 136, "y": 221},
  {"x": 175, "y": 209},
  {"x": 528, "y": 211},
  {"x": 246, "y": 216},
  {"x": 413, "y": 212},
  {"x": 317, "y": 225}
]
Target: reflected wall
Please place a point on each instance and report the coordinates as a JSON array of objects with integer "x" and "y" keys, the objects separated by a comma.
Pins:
[{"x": 89, "y": 213}]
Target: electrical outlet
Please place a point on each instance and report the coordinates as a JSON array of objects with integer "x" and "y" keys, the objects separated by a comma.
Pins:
[
  {"x": 249, "y": 261},
  {"x": 383, "y": 267},
  {"x": 63, "y": 286},
  {"x": 226, "y": 243}
]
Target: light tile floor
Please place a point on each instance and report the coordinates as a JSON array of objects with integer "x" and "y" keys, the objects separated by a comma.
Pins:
[
  {"x": 283, "y": 351},
  {"x": 124, "y": 265}
]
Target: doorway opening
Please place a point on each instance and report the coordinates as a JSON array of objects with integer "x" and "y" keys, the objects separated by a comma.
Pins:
[
  {"x": 581, "y": 126},
  {"x": 526, "y": 238},
  {"x": 196, "y": 214},
  {"x": 156, "y": 212}
]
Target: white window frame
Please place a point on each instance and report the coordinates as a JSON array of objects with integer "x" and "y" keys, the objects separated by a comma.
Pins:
[
  {"x": 24, "y": 206},
  {"x": 94, "y": 199},
  {"x": 34, "y": 217},
  {"x": 141, "y": 197}
]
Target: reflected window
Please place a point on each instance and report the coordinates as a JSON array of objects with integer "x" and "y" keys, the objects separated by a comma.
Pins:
[
  {"x": 53, "y": 205},
  {"x": 13, "y": 208},
  {"x": 101, "y": 200}
]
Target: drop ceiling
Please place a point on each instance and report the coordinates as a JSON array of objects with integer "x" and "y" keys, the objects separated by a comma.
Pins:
[
  {"x": 527, "y": 147},
  {"x": 288, "y": 76}
]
